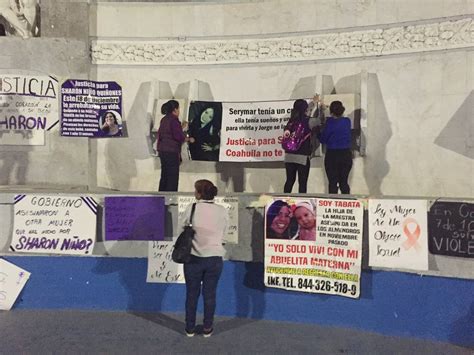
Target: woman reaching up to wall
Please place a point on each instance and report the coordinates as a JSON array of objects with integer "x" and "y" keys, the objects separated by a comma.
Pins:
[{"x": 336, "y": 134}]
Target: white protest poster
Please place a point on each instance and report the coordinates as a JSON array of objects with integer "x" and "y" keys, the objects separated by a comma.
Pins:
[
  {"x": 231, "y": 204},
  {"x": 54, "y": 224},
  {"x": 398, "y": 234},
  {"x": 252, "y": 131},
  {"x": 12, "y": 281},
  {"x": 161, "y": 268},
  {"x": 314, "y": 245},
  {"x": 28, "y": 108}
]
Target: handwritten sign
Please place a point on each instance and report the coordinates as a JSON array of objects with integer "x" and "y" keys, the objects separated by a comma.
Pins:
[
  {"x": 451, "y": 229},
  {"x": 398, "y": 234},
  {"x": 230, "y": 203},
  {"x": 28, "y": 107},
  {"x": 314, "y": 245},
  {"x": 54, "y": 224},
  {"x": 161, "y": 268},
  {"x": 12, "y": 281},
  {"x": 134, "y": 218}
]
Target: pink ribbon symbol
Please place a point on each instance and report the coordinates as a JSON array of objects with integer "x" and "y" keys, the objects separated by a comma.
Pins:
[{"x": 412, "y": 237}]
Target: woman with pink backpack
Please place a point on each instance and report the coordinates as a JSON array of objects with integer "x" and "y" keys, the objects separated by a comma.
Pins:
[{"x": 297, "y": 145}]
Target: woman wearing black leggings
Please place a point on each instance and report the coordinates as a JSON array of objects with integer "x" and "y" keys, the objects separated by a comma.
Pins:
[{"x": 336, "y": 134}]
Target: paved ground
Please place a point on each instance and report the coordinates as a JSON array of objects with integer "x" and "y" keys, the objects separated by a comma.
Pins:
[{"x": 72, "y": 332}]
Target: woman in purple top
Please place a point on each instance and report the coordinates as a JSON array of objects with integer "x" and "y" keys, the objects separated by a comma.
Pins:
[
  {"x": 336, "y": 134},
  {"x": 170, "y": 137}
]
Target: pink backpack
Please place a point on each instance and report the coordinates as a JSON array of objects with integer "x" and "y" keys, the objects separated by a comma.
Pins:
[{"x": 297, "y": 136}]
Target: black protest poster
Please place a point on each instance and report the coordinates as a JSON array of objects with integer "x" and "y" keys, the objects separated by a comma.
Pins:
[{"x": 451, "y": 229}]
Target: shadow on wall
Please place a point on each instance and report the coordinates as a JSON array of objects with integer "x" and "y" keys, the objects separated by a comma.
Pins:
[
  {"x": 140, "y": 301},
  {"x": 379, "y": 132},
  {"x": 121, "y": 155},
  {"x": 458, "y": 134},
  {"x": 14, "y": 167},
  {"x": 463, "y": 326}
]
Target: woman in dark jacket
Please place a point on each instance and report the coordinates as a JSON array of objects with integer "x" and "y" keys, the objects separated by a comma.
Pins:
[
  {"x": 297, "y": 162},
  {"x": 170, "y": 137}
]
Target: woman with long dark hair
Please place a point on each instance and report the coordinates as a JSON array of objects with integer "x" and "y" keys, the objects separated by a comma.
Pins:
[
  {"x": 204, "y": 270},
  {"x": 336, "y": 134},
  {"x": 297, "y": 162},
  {"x": 170, "y": 137},
  {"x": 204, "y": 129},
  {"x": 278, "y": 220}
]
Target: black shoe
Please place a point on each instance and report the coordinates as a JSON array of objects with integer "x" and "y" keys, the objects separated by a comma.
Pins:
[
  {"x": 190, "y": 333},
  {"x": 206, "y": 333}
]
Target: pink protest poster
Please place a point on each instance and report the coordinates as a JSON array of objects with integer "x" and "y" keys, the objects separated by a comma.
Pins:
[
  {"x": 314, "y": 245},
  {"x": 398, "y": 234}
]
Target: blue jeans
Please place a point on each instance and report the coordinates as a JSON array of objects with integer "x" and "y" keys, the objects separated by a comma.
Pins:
[{"x": 205, "y": 271}]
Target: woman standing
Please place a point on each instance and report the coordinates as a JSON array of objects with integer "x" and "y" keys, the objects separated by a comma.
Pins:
[
  {"x": 297, "y": 162},
  {"x": 209, "y": 222},
  {"x": 336, "y": 134},
  {"x": 170, "y": 137}
]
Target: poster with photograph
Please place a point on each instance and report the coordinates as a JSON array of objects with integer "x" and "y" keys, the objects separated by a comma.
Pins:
[
  {"x": 451, "y": 229},
  {"x": 28, "y": 108},
  {"x": 54, "y": 224},
  {"x": 161, "y": 268},
  {"x": 314, "y": 245},
  {"x": 91, "y": 109},
  {"x": 204, "y": 130},
  {"x": 12, "y": 281},
  {"x": 398, "y": 235},
  {"x": 134, "y": 217},
  {"x": 231, "y": 204},
  {"x": 252, "y": 131}
]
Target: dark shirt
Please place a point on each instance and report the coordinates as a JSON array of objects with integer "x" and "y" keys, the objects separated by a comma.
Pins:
[
  {"x": 336, "y": 133},
  {"x": 170, "y": 135}
]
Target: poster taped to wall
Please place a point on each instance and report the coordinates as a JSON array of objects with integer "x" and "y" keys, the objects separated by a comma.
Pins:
[
  {"x": 314, "y": 245},
  {"x": 54, "y": 224},
  {"x": 252, "y": 131},
  {"x": 134, "y": 217},
  {"x": 28, "y": 108},
  {"x": 451, "y": 229},
  {"x": 230, "y": 203},
  {"x": 91, "y": 109},
  {"x": 398, "y": 234},
  {"x": 12, "y": 281},
  {"x": 161, "y": 268}
]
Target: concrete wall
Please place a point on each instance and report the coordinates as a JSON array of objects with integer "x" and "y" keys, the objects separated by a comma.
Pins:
[
  {"x": 420, "y": 128},
  {"x": 62, "y": 51}
]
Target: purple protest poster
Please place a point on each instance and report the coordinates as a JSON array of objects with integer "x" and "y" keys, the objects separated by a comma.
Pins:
[
  {"x": 134, "y": 218},
  {"x": 91, "y": 109}
]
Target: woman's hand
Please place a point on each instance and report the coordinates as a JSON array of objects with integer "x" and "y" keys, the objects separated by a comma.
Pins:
[
  {"x": 206, "y": 147},
  {"x": 184, "y": 125},
  {"x": 190, "y": 139}
]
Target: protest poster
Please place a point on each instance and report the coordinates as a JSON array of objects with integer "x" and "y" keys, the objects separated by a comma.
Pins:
[
  {"x": 12, "y": 281},
  {"x": 231, "y": 204},
  {"x": 204, "y": 130},
  {"x": 54, "y": 224},
  {"x": 314, "y": 245},
  {"x": 252, "y": 131},
  {"x": 28, "y": 108},
  {"x": 451, "y": 229},
  {"x": 91, "y": 109},
  {"x": 134, "y": 218},
  {"x": 398, "y": 234},
  {"x": 161, "y": 268}
]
